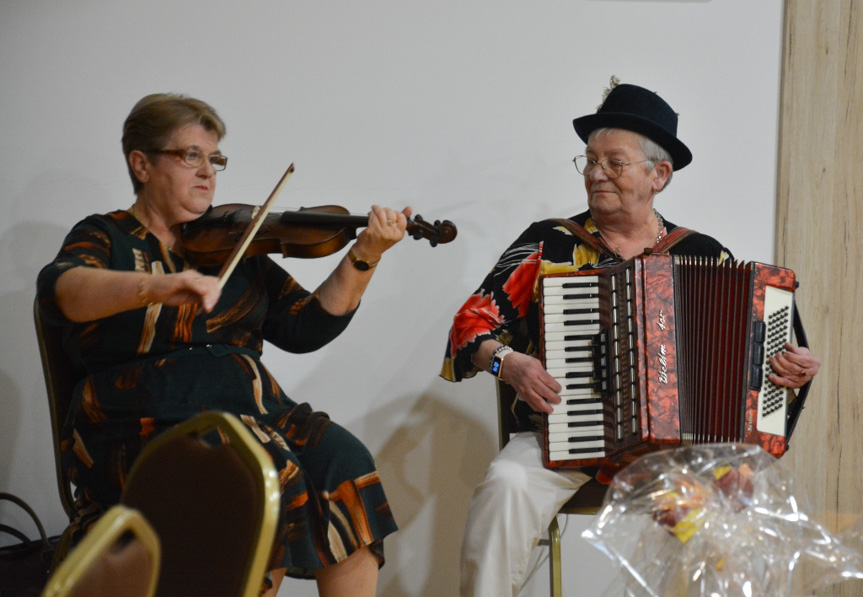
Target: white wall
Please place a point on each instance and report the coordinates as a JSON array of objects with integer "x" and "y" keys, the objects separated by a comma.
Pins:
[{"x": 461, "y": 109}]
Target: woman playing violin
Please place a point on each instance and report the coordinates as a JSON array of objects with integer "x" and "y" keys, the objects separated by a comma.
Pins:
[{"x": 154, "y": 332}]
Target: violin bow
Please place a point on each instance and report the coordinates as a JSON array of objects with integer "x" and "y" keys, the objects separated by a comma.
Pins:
[{"x": 252, "y": 230}]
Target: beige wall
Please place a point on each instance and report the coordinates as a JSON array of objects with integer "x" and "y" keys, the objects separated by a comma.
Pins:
[{"x": 819, "y": 234}]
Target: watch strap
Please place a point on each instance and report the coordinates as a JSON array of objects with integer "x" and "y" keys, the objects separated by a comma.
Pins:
[
  {"x": 495, "y": 364},
  {"x": 360, "y": 264}
]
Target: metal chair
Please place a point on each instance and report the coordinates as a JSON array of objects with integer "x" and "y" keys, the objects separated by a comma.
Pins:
[
  {"x": 61, "y": 376},
  {"x": 211, "y": 492},
  {"x": 119, "y": 556},
  {"x": 587, "y": 500},
  {"x": 256, "y": 491}
]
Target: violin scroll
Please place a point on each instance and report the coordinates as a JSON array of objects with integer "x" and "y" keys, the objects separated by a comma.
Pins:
[{"x": 437, "y": 233}]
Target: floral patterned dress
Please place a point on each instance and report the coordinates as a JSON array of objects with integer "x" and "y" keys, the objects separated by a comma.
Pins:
[
  {"x": 150, "y": 368},
  {"x": 508, "y": 297}
]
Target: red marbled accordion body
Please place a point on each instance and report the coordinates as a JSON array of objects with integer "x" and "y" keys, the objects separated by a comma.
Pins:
[{"x": 684, "y": 344}]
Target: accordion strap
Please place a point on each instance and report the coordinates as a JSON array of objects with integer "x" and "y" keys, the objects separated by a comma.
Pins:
[
  {"x": 671, "y": 239},
  {"x": 663, "y": 246},
  {"x": 795, "y": 406},
  {"x": 584, "y": 236}
]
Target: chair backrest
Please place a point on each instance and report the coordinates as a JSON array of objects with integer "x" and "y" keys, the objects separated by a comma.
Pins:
[
  {"x": 120, "y": 555},
  {"x": 507, "y": 424},
  {"x": 211, "y": 492},
  {"x": 506, "y": 421},
  {"x": 60, "y": 380}
]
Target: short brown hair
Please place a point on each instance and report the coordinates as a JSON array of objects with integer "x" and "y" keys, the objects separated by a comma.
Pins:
[{"x": 154, "y": 119}]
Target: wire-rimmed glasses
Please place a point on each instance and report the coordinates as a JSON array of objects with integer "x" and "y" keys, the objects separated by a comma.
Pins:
[
  {"x": 612, "y": 167},
  {"x": 195, "y": 157}
]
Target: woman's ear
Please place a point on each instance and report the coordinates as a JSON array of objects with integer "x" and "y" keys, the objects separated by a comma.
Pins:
[
  {"x": 140, "y": 165},
  {"x": 663, "y": 171}
]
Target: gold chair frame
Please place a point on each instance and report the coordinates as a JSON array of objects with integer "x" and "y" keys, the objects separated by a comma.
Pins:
[
  {"x": 104, "y": 559},
  {"x": 150, "y": 486}
]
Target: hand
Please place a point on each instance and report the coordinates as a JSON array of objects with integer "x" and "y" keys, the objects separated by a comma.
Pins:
[
  {"x": 794, "y": 367},
  {"x": 187, "y": 287},
  {"x": 532, "y": 382},
  {"x": 386, "y": 228}
]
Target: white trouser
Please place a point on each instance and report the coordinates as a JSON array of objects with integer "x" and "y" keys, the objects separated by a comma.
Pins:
[{"x": 509, "y": 512}]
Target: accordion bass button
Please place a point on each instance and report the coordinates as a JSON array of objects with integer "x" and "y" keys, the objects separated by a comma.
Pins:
[
  {"x": 759, "y": 331},
  {"x": 756, "y": 377}
]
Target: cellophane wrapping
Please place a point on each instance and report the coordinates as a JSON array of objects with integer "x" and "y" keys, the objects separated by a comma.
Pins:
[{"x": 717, "y": 520}]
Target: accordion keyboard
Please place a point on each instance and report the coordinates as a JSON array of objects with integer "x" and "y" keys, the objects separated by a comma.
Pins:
[{"x": 574, "y": 351}]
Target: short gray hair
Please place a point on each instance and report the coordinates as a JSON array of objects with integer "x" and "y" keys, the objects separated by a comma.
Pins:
[
  {"x": 154, "y": 119},
  {"x": 655, "y": 154}
]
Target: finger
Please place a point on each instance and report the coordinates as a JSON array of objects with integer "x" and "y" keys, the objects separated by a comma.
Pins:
[
  {"x": 807, "y": 362},
  {"x": 538, "y": 403},
  {"x": 794, "y": 366},
  {"x": 546, "y": 393},
  {"x": 787, "y": 382},
  {"x": 550, "y": 388},
  {"x": 377, "y": 216},
  {"x": 782, "y": 364},
  {"x": 386, "y": 223},
  {"x": 792, "y": 373},
  {"x": 395, "y": 219},
  {"x": 205, "y": 289},
  {"x": 801, "y": 356},
  {"x": 210, "y": 297},
  {"x": 553, "y": 398}
]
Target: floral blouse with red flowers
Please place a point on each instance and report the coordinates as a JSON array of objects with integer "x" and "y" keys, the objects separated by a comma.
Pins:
[{"x": 508, "y": 297}]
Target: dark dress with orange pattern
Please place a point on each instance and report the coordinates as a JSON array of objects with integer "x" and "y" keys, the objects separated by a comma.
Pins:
[{"x": 150, "y": 368}]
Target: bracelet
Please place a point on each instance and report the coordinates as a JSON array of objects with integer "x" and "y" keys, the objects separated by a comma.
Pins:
[
  {"x": 495, "y": 363},
  {"x": 145, "y": 301}
]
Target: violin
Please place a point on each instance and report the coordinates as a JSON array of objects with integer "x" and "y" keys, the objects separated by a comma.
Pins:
[{"x": 308, "y": 232}]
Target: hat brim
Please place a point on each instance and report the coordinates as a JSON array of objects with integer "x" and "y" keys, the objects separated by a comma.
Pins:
[{"x": 620, "y": 120}]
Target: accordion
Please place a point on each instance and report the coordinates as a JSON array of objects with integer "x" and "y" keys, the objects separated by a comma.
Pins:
[{"x": 663, "y": 351}]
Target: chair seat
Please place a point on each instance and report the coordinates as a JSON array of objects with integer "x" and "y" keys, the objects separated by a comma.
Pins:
[{"x": 587, "y": 500}]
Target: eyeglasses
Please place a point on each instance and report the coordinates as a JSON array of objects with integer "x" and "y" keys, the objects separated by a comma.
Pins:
[
  {"x": 612, "y": 168},
  {"x": 195, "y": 157}
]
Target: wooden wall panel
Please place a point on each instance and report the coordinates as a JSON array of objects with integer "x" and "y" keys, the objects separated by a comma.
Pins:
[{"x": 819, "y": 234}]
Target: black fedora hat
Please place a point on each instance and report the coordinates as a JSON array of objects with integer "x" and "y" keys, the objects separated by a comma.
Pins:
[{"x": 636, "y": 109}]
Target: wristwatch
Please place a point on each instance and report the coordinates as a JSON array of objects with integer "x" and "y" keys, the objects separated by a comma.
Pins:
[
  {"x": 496, "y": 362},
  {"x": 360, "y": 264}
]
